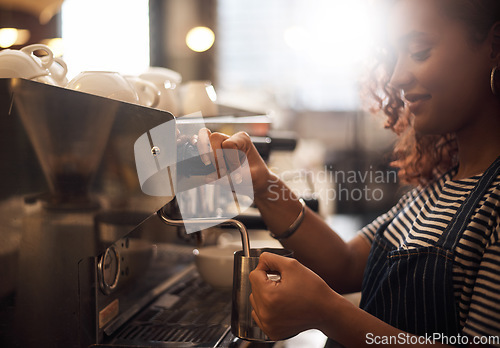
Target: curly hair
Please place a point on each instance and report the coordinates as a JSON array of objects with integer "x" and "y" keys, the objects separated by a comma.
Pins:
[{"x": 422, "y": 158}]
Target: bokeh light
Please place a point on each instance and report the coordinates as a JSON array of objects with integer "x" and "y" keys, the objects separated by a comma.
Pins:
[
  {"x": 56, "y": 45},
  {"x": 8, "y": 37},
  {"x": 200, "y": 39}
]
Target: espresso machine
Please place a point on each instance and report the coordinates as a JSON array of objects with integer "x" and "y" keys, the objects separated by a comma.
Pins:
[{"x": 88, "y": 256}]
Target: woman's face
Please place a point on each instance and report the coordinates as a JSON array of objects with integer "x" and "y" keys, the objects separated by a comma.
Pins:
[{"x": 442, "y": 74}]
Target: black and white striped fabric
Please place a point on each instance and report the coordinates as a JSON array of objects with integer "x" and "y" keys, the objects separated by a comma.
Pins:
[{"x": 425, "y": 214}]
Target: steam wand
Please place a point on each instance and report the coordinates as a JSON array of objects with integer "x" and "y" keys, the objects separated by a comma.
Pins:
[{"x": 200, "y": 221}]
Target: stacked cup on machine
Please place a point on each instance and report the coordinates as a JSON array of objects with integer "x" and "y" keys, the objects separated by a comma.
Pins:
[{"x": 25, "y": 64}]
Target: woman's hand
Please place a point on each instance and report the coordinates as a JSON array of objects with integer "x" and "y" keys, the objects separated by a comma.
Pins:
[
  {"x": 291, "y": 305},
  {"x": 219, "y": 150}
]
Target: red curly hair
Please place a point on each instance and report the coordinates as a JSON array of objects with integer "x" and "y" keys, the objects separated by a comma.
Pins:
[{"x": 422, "y": 158}]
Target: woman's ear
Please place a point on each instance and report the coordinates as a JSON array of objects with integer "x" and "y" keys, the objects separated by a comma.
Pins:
[{"x": 495, "y": 42}]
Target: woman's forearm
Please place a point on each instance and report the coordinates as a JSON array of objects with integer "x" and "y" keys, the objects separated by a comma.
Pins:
[{"x": 314, "y": 243}]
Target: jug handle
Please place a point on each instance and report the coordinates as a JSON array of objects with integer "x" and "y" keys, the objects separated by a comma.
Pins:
[{"x": 46, "y": 60}]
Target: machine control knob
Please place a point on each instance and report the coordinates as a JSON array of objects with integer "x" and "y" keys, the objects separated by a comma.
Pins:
[{"x": 108, "y": 270}]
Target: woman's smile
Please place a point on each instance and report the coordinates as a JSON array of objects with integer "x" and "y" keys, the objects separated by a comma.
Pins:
[{"x": 416, "y": 102}]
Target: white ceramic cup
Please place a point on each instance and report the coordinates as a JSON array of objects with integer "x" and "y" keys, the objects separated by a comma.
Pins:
[
  {"x": 148, "y": 93},
  {"x": 24, "y": 64},
  {"x": 215, "y": 265},
  {"x": 166, "y": 81},
  {"x": 107, "y": 84},
  {"x": 199, "y": 96}
]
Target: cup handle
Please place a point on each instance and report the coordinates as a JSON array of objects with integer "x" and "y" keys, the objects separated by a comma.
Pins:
[
  {"x": 150, "y": 89},
  {"x": 46, "y": 60},
  {"x": 62, "y": 63}
]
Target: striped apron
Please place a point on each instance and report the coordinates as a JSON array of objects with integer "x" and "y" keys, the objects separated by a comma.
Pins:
[{"x": 412, "y": 289}]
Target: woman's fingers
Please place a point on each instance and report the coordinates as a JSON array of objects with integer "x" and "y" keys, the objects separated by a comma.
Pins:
[
  {"x": 235, "y": 155},
  {"x": 235, "y": 149},
  {"x": 272, "y": 262},
  {"x": 253, "y": 303},
  {"x": 203, "y": 145},
  {"x": 210, "y": 148},
  {"x": 257, "y": 319},
  {"x": 290, "y": 305},
  {"x": 225, "y": 152},
  {"x": 255, "y": 311},
  {"x": 216, "y": 141},
  {"x": 258, "y": 277}
]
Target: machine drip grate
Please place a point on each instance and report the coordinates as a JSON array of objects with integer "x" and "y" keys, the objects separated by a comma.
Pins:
[
  {"x": 173, "y": 333},
  {"x": 190, "y": 311}
]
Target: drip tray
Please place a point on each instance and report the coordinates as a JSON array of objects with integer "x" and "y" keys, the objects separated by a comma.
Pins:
[
  {"x": 189, "y": 334},
  {"x": 190, "y": 314}
]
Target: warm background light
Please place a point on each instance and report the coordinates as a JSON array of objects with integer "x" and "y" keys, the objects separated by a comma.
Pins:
[
  {"x": 200, "y": 39},
  {"x": 23, "y": 35},
  {"x": 13, "y": 36},
  {"x": 8, "y": 37},
  {"x": 56, "y": 45}
]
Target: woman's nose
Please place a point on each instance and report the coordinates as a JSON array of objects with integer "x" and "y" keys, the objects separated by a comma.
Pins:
[{"x": 401, "y": 77}]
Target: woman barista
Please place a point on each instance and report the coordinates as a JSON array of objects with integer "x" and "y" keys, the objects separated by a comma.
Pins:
[{"x": 431, "y": 265}]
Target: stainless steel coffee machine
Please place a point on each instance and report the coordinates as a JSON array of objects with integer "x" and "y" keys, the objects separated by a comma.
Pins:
[
  {"x": 86, "y": 258},
  {"x": 90, "y": 259}
]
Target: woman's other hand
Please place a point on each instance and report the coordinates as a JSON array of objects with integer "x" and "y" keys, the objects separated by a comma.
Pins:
[
  {"x": 219, "y": 150},
  {"x": 291, "y": 305}
]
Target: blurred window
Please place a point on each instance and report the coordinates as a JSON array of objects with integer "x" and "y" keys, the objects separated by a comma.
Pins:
[
  {"x": 106, "y": 35},
  {"x": 306, "y": 52}
]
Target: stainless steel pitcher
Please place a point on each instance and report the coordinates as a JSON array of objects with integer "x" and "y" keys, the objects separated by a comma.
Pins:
[{"x": 242, "y": 323}]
